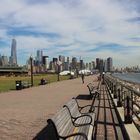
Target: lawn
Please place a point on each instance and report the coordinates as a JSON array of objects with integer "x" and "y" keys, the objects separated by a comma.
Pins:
[{"x": 8, "y": 83}]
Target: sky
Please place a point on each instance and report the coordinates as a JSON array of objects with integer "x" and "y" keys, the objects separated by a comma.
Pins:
[{"x": 87, "y": 29}]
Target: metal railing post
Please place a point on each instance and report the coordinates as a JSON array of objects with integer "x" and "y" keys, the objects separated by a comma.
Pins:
[
  {"x": 109, "y": 84},
  {"x": 128, "y": 108},
  {"x": 115, "y": 91},
  {"x": 112, "y": 88},
  {"x": 119, "y": 101}
]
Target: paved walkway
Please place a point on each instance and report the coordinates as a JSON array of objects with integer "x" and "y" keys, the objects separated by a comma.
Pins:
[
  {"x": 24, "y": 113},
  {"x": 108, "y": 125}
]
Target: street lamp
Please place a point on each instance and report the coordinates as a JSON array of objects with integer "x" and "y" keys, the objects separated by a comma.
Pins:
[
  {"x": 103, "y": 78},
  {"x": 58, "y": 64},
  {"x": 31, "y": 64}
]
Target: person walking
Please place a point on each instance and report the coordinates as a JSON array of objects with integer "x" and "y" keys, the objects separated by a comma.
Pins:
[{"x": 83, "y": 77}]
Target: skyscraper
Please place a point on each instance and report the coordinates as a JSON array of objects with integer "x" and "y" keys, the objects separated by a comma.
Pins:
[
  {"x": 74, "y": 63},
  {"x": 39, "y": 57},
  {"x": 101, "y": 66},
  {"x": 109, "y": 64},
  {"x": 98, "y": 63},
  {"x": 13, "y": 58},
  {"x": 105, "y": 66},
  {"x": 81, "y": 64}
]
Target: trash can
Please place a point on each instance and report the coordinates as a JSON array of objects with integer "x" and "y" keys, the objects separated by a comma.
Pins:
[
  {"x": 43, "y": 82},
  {"x": 18, "y": 85}
]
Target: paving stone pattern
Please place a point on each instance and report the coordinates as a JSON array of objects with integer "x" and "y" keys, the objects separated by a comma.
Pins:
[{"x": 108, "y": 126}]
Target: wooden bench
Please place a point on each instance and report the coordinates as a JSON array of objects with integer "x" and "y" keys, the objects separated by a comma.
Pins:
[
  {"x": 63, "y": 128},
  {"x": 77, "y": 115},
  {"x": 93, "y": 91}
]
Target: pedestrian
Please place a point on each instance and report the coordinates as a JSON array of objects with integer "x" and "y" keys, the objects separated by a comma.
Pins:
[{"x": 83, "y": 77}]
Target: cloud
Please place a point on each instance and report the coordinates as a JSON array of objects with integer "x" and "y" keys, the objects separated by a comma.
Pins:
[
  {"x": 73, "y": 28},
  {"x": 135, "y": 20}
]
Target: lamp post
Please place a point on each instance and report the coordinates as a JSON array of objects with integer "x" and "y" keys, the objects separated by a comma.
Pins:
[
  {"x": 103, "y": 78},
  {"x": 58, "y": 64},
  {"x": 31, "y": 64}
]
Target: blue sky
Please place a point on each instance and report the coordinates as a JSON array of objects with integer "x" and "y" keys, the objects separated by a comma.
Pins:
[{"x": 82, "y": 28}]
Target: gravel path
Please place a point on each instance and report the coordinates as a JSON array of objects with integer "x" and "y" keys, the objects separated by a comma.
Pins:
[{"x": 24, "y": 113}]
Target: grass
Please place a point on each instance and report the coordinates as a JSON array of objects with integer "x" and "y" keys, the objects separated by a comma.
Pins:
[{"x": 8, "y": 83}]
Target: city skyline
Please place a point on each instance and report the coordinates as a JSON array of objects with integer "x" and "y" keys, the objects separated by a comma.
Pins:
[{"x": 89, "y": 29}]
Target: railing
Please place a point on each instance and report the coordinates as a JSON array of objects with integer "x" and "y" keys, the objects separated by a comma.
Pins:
[{"x": 126, "y": 97}]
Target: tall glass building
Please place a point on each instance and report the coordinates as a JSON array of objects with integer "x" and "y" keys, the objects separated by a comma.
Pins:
[
  {"x": 13, "y": 58},
  {"x": 109, "y": 64},
  {"x": 39, "y": 57}
]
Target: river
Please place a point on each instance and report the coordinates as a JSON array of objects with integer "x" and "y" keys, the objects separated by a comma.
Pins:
[{"x": 131, "y": 77}]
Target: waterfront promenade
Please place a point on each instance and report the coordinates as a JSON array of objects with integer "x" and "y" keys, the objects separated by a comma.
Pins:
[{"x": 24, "y": 113}]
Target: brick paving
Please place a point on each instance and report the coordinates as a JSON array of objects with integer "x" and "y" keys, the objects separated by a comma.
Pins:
[
  {"x": 108, "y": 126},
  {"x": 23, "y": 114}
]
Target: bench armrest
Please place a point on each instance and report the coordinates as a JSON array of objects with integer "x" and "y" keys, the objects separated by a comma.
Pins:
[
  {"x": 83, "y": 107},
  {"x": 82, "y": 124},
  {"x": 74, "y": 135}
]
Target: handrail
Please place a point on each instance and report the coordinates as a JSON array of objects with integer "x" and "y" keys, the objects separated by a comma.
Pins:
[
  {"x": 125, "y": 98},
  {"x": 124, "y": 85}
]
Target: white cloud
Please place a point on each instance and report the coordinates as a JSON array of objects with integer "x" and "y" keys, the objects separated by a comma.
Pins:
[{"x": 80, "y": 24}]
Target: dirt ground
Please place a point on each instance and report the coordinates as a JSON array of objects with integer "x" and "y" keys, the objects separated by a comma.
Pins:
[{"x": 24, "y": 113}]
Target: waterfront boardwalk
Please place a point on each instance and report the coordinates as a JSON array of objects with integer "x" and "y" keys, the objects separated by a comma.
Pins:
[{"x": 24, "y": 113}]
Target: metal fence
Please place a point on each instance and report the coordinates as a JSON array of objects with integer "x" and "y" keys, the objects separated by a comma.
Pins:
[{"x": 127, "y": 97}]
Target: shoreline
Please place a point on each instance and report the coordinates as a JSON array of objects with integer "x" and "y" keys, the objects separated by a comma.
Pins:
[
  {"x": 123, "y": 75},
  {"x": 134, "y": 85}
]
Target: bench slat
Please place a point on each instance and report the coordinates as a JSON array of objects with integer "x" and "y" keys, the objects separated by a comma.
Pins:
[
  {"x": 64, "y": 126},
  {"x": 74, "y": 110}
]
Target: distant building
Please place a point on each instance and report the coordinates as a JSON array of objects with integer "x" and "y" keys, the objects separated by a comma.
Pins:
[
  {"x": 81, "y": 64},
  {"x": 66, "y": 66},
  {"x": 105, "y": 66},
  {"x": 13, "y": 57},
  {"x": 98, "y": 63},
  {"x": 51, "y": 66},
  {"x": 55, "y": 60},
  {"x": 74, "y": 63},
  {"x": 5, "y": 61},
  {"x": 101, "y": 65},
  {"x": 109, "y": 64},
  {"x": 68, "y": 60},
  {"x": 54, "y": 65},
  {"x": 39, "y": 57},
  {"x": 45, "y": 62},
  {"x": 93, "y": 65},
  {"x": 62, "y": 59},
  {"x": 87, "y": 65},
  {"x": 90, "y": 66}
]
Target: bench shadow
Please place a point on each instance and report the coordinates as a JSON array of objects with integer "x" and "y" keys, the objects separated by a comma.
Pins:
[
  {"x": 84, "y": 97},
  {"x": 108, "y": 116},
  {"x": 46, "y": 133}
]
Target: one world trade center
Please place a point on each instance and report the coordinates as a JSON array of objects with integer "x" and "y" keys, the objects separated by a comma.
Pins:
[{"x": 13, "y": 59}]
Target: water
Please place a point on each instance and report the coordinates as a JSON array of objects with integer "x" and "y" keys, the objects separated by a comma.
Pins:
[{"x": 131, "y": 77}]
